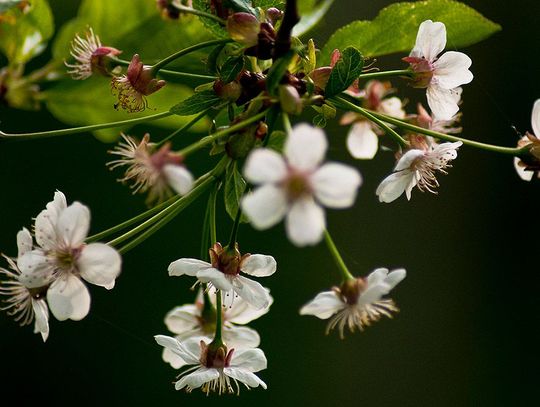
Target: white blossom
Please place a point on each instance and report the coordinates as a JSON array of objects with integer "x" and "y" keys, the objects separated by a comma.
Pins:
[
  {"x": 526, "y": 171},
  {"x": 417, "y": 168},
  {"x": 60, "y": 232},
  {"x": 223, "y": 273},
  {"x": 296, "y": 186},
  {"x": 220, "y": 370},
  {"x": 442, "y": 75},
  {"x": 358, "y": 302}
]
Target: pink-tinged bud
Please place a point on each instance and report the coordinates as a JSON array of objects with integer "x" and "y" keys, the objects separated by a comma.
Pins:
[
  {"x": 423, "y": 71},
  {"x": 244, "y": 28},
  {"x": 320, "y": 76},
  {"x": 336, "y": 55},
  {"x": 290, "y": 100},
  {"x": 133, "y": 88},
  {"x": 274, "y": 15}
]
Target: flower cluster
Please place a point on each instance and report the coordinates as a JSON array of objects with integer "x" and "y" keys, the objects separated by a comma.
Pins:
[{"x": 48, "y": 273}]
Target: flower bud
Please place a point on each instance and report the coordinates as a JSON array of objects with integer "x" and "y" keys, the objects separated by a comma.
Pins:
[
  {"x": 320, "y": 76},
  {"x": 244, "y": 28},
  {"x": 228, "y": 91},
  {"x": 290, "y": 100},
  {"x": 274, "y": 15}
]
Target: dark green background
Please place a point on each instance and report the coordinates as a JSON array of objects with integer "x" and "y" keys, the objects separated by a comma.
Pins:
[{"x": 467, "y": 334}]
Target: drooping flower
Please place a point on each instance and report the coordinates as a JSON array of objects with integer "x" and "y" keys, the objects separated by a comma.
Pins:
[
  {"x": 26, "y": 292},
  {"x": 223, "y": 273},
  {"x": 90, "y": 56},
  {"x": 151, "y": 170},
  {"x": 528, "y": 168},
  {"x": 358, "y": 302},
  {"x": 220, "y": 370},
  {"x": 363, "y": 137},
  {"x": 132, "y": 89},
  {"x": 296, "y": 186},
  {"x": 440, "y": 75},
  {"x": 198, "y": 320},
  {"x": 60, "y": 232},
  {"x": 417, "y": 167},
  {"x": 428, "y": 121}
]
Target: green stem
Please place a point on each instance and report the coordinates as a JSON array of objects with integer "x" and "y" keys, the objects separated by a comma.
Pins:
[
  {"x": 386, "y": 74},
  {"x": 286, "y": 123},
  {"x": 156, "y": 67},
  {"x": 199, "y": 13},
  {"x": 185, "y": 127},
  {"x": 370, "y": 116},
  {"x": 212, "y": 214},
  {"x": 166, "y": 72},
  {"x": 129, "y": 222},
  {"x": 218, "y": 341},
  {"x": 345, "y": 273},
  {"x": 236, "y": 224},
  {"x": 82, "y": 129},
  {"x": 515, "y": 151},
  {"x": 222, "y": 133}
]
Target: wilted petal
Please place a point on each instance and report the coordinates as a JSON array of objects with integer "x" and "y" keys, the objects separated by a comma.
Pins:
[
  {"x": 251, "y": 291},
  {"x": 362, "y": 142},
  {"x": 305, "y": 222},
  {"x": 335, "y": 185},
  {"x": 265, "y": 166},
  {"x": 68, "y": 298},
  {"x": 430, "y": 40},
  {"x": 323, "y": 306},
  {"x": 189, "y": 267},
  {"x": 524, "y": 174},
  {"x": 99, "y": 264},
  {"x": 73, "y": 224},
  {"x": 179, "y": 178},
  {"x": 452, "y": 70},
  {"x": 41, "y": 318},
  {"x": 265, "y": 206},
  {"x": 259, "y": 265},
  {"x": 305, "y": 147}
]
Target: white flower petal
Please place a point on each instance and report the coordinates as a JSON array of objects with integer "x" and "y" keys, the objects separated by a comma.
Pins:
[
  {"x": 535, "y": 118},
  {"x": 324, "y": 305},
  {"x": 442, "y": 102},
  {"x": 392, "y": 107},
  {"x": 172, "y": 359},
  {"x": 305, "y": 222},
  {"x": 73, "y": 224},
  {"x": 240, "y": 312},
  {"x": 179, "y": 349},
  {"x": 182, "y": 319},
  {"x": 197, "y": 378},
  {"x": 407, "y": 159},
  {"x": 240, "y": 337},
  {"x": 252, "y": 360},
  {"x": 37, "y": 270},
  {"x": 68, "y": 298},
  {"x": 452, "y": 70},
  {"x": 259, "y": 265},
  {"x": 99, "y": 264},
  {"x": 335, "y": 185},
  {"x": 179, "y": 178},
  {"x": 251, "y": 291},
  {"x": 305, "y": 147},
  {"x": 430, "y": 40},
  {"x": 521, "y": 171},
  {"x": 265, "y": 206},
  {"x": 189, "y": 267},
  {"x": 216, "y": 277},
  {"x": 265, "y": 166},
  {"x": 244, "y": 376},
  {"x": 394, "y": 185},
  {"x": 41, "y": 318},
  {"x": 395, "y": 277},
  {"x": 373, "y": 293},
  {"x": 24, "y": 242},
  {"x": 376, "y": 276},
  {"x": 45, "y": 224},
  {"x": 362, "y": 142}
]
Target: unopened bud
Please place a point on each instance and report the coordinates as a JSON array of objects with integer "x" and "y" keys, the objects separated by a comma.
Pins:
[
  {"x": 290, "y": 100},
  {"x": 244, "y": 28},
  {"x": 228, "y": 91},
  {"x": 274, "y": 15},
  {"x": 320, "y": 76}
]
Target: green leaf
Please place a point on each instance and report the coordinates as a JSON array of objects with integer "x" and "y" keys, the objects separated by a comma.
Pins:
[
  {"x": 241, "y": 6},
  {"x": 235, "y": 185},
  {"x": 311, "y": 13},
  {"x": 276, "y": 72},
  {"x": 266, "y": 4},
  {"x": 7, "y": 4},
  {"x": 276, "y": 141},
  {"x": 213, "y": 26},
  {"x": 196, "y": 103},
  {"x": 395, "y": 28},
  {"x": 27, "y": 35},
  {"x": 345, "y": 72},
  {"x": 231, "y": 68},
  {"x": 89, "y": 102}
]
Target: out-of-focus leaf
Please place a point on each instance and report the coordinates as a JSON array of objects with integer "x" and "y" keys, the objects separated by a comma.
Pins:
[
  {"x": 345, "y": 72},
  {"x": 90, "y": 102},
  {"x": 276, "y": 141},
  {"x": 235, "y": 186},
  {"x": 24, "y": 34},
  {"x": 276, "y": 72},
  {"x": 311, "y": 13},
  {"x": 396, "y": 26},
  {"x": 215, "y": 28},
  {"x": 196, "y": 103},
  {"x": 7, "y": 4},
  {"x": 231, "y": 68}
]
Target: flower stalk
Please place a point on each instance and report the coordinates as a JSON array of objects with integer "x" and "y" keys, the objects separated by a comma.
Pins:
[
  {"x": 386, "y": 74},
  {"x": 332, "y": 248}
]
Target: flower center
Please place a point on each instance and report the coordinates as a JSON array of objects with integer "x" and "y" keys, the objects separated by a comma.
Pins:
[
  {"x": 351, "y": 289},
  {"x": 66, "y": 258},
  {"x": 297, "y": 186}
]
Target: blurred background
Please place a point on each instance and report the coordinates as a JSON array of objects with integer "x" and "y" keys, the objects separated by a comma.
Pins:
[{"x": 467, "y": 332}]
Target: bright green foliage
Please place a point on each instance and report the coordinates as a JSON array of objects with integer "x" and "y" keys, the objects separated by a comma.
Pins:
[
  {"x": 345, "y": 72},
  {"x": 196, "y": 103},
  {"x": 7, "y": 4},
  {"x": 275, "y": 75},
  {"x": 91, "y": 102},
  {"x": 311, "y": 12},
  {"x": 217, "y": 30},
  {"x": 395, "y": 28},
  {"x": 23, "y": 35},
  {"x": 235, "y": 185}
]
